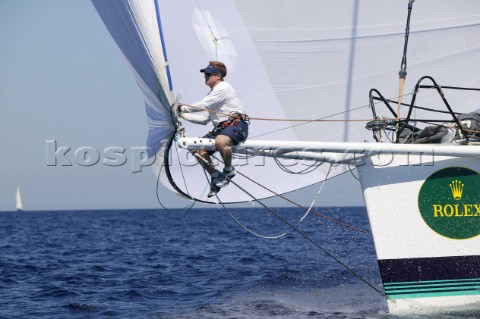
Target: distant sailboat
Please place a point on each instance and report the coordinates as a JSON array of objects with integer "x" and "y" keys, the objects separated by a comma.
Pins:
[{"x": 18, "y": 200}]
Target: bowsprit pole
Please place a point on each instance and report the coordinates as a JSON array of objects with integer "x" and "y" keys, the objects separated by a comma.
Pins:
[{"x": 402, "y": 74}]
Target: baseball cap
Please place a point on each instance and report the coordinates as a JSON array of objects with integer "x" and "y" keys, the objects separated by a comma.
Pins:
[{"x": 212, "y": 70}]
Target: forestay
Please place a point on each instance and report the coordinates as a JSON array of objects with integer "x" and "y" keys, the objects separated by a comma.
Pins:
[{"x": 307, "y": 60}]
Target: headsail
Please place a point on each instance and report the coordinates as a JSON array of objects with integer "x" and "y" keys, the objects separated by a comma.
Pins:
[
  {"x": 310, "y": 63},
  {"x": 134, "y": 27}
]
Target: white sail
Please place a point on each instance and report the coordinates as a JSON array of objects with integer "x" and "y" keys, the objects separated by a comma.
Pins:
[
  {"x": 298, "y": 61},
  {"x": 133, "y": 25},
  {"x": 18, "y": 200},
  {"x": 303, "y": 70}
]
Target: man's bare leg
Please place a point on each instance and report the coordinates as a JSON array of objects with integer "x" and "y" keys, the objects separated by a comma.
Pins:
[
  {"x": 224, "y": 144},
  {"x": 206, "y": 161}
]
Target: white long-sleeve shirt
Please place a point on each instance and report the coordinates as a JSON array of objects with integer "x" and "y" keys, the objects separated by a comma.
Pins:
[{"x": 221, "y": 101}]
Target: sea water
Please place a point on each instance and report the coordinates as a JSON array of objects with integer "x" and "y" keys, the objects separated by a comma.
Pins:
[{"x": 198, "y": 263}]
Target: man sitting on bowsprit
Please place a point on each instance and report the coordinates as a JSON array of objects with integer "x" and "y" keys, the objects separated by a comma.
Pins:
[{"x": 223, "y": 108}]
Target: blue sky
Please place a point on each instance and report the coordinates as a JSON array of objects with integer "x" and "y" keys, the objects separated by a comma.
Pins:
[{"x": 66, "y": 92}]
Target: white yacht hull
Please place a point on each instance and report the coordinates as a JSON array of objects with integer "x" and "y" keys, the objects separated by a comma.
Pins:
[{"x": 426, "y": 240}]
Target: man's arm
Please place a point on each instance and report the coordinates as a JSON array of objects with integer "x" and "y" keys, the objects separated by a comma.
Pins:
[
  {"x": 184, "y": 108},
  {"x": 198, "y": 118}
]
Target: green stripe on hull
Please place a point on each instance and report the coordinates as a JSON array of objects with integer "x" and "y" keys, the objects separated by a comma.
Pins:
[
  {"x": 434, "y": 294},
  {"x": 433, "y": 288},
  {"x": 429, "y": 282}
]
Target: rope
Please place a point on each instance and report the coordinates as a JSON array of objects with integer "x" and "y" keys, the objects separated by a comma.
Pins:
[
  {"x": 294, "y": 229},
  {"x": 288, "y": 200},
  {"x": 323, "y": 120},
  {"x": 303, "y": 120},
  {"x": 178, "y": 131},
  {"x": 313, "y": 211},
  {"x": 306, "y": 170},
  {"x": 318, "y": 193},
  {"x": 277, "y": 119},
  {"x": 300, "y": 206},
  {"x": 312, "y": 241},
  {"x": 214, "y": 38},
  {"x": 187, "y": 208},
  {"x": 298, "y": 223}
]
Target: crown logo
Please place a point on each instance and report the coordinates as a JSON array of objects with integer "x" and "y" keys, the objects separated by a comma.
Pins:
[{"x": 457, "y": 189}]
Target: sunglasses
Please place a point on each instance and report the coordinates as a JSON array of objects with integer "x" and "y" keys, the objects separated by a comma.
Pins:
[{"x": 209, "y": 74}]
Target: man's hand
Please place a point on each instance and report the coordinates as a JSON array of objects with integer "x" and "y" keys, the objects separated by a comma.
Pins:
[{"x": 179, "y": 108}]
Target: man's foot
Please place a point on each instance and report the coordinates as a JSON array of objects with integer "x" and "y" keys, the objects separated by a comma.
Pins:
[
  {"x": 217, "y": 177},
  {"x": 224, "y": 178},
  {"x": 229, "y": 172},
  {"x": 213, "y": 191}
]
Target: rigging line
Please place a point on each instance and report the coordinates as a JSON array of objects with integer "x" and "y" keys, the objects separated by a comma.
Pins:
[
  {"x": 173, "y": 136},
  {"x": 304, "y": 120},
  {"x": 324, "y": 119},
  {"x": 231, "y": 214},
  {"x": 318, "y": 193},
  {"x": 181, "y": 171},
  {"x": 317, "y": 120},
  {"x": 297, "y": 224},
  {"x": 188, "y": 207},
  {"x": 307, "y": 170},
  {"x": 286, "y": 199},
  {"x": 186, "y": 186},
  {"x": 214, "y": 38},
  {"x": 300, "y": 124},
  {"x": 312, "y": 241},
  {"x": 297, "y": 230},
  {"x": 419, "y": 107},
  {"x": 156, "y": 188},
  {"x": 350, "y": 169},
  {"x": 246, "y": 228},
  {"x": 302, "y": 207}
]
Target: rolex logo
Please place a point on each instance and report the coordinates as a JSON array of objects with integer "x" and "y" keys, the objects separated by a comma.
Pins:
[
  {"x": 448, "y": 207},
  {"x": 457, "y": 189}
]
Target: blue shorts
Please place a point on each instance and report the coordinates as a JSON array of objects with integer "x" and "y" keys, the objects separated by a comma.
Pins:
[{"x": 237, "y": 133}]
